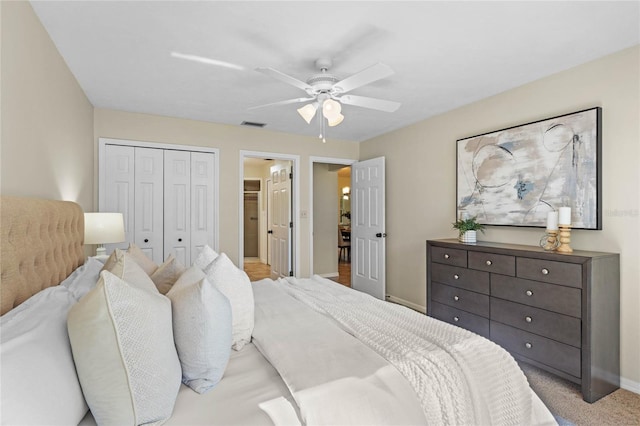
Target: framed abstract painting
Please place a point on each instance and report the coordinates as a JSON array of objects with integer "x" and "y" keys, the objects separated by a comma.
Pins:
[{"x": 515, "y": 176}]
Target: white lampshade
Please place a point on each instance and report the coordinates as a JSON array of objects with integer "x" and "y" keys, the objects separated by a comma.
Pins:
[
  {"x": 103, "y": 228},
  {"x": 336, "y": 120},
  {"x": 331, "y": 110},
  {"x": 308, "y": 111}
]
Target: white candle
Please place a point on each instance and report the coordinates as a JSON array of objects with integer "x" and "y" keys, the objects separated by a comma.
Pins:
[
  {"x": 564, "y": 216},
  {"x": 552, "y": 221}
]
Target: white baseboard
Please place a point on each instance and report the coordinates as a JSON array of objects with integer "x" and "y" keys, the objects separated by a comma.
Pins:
[
  {"x": 329, "y": 275},
  {"x": 630, "y": 385},
  {"x": 406, "y": 303}
]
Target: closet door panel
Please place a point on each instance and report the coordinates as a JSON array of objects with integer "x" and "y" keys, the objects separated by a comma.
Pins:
[
  {"x": 202, "y": 201},
  {"x": 149, "y": 202},
  {"x": 177, "y": 203},
  {"x": 120, "y": 189}
]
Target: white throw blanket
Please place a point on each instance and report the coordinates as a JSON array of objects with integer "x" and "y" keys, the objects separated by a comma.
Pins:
[
  {"x": 460, "y": 378},
  {"x": 334, "y": 378}
]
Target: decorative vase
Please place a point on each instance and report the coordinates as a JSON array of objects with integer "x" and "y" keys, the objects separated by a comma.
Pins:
[{"x": 468, "y": 237}]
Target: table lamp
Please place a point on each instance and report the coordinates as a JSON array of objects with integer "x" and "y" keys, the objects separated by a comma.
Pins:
[{"x": 103, "y": 228}]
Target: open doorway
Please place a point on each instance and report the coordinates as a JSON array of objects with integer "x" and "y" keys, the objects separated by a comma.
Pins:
[
  {"x": 267, "y": 210},
  {"x": 331, "y": 219}
]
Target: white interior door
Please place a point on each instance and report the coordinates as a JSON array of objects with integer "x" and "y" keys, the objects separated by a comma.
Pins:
[
  {"x": 269, "y": 219},
  {"x": 148, "y": 202},
  {"x": 177, "y": 195},
  {"x": 368, "y": 227},
  {"x": 281, "y": 225},
  {"x": 119, "y": 189},
  {"x": 203, "y": 214}
]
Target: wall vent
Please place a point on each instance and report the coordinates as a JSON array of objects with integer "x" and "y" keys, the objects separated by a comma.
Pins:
[{"x": 252, "y": 124}]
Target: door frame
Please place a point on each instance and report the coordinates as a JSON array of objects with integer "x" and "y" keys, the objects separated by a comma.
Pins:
[
  {"x": 322, "y": 160},
  {"x": 102, "y": 148},
  {"x": 295, "y": 193}
]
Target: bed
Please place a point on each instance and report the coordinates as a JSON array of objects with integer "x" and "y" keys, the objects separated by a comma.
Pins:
[{"x": 316, "y": 353}]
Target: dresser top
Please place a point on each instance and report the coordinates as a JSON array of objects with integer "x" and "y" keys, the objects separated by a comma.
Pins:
[{"x": 517, "y": 249}]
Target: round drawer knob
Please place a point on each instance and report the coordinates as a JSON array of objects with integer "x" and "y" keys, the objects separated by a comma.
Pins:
[
  {"x": 529, "y": 293},
  {"x": 446, "y": 256},
  {"x": 456, "y": 276},
  {"x": 528, "y": 345},
  {"x": 545, "y": 271},
  {"x": 179, "y": 240},
  {"x": 456, "y": 298},
  {"x": 488, "y": 262},
  {"x": 456, "y": 319},
  {"x": 146, "y": 240},
  {"x": 528, "y": 319}
]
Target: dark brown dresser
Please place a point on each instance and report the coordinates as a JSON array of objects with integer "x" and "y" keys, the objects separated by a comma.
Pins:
[{"x": 559, "y": 312}]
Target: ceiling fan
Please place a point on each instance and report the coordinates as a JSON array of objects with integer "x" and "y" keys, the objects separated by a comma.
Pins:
[{"x": 328, "y": 92}]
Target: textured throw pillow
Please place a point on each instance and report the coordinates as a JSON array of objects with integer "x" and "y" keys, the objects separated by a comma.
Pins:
[
  {"x": 205, "y": 257},
  {"x": 167, "y": 274},
  {"x": 235, "y": 284},
  {"x": 201, "y": 329},
  {"x": 38, "y": 381},
  {"x": 122, "y": 265},
  {"x": 122, "y": 342},
  {"x": 147, "y": 265}
]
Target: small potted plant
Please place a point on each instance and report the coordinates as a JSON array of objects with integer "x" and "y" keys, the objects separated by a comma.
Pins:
[{"x": 467, "y": 229}]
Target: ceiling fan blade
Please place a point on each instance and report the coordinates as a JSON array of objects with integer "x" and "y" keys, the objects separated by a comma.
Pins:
[
  {"x": 366, "y": 76},
  {"x": 288, "y": 101},
  {"x": 207, "y": 61},
  {"x": 285, "y": 78},
  {"x": 373, "y": 103}
]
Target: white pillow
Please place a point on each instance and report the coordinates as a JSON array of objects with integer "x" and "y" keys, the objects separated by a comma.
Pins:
[
  {"x": 83, "y": 278},
  {"x": 235, "y": 284},
  {"x": 147, "y": 265},
  {"x": 122, "y": 342},
  {"x": 38, "y": 381},
  {"x": 167, "y": 274},
  {"x": 123, "y": 265},
  {"x": 205, "y": 257},
  {"x": 201, "y": 329}
]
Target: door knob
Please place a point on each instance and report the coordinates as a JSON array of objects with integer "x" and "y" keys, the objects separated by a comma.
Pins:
[
  {"x": 270, "y": 231},
  {"x": 146, "y": 240},
  {"x": 381, "y": 234},
  {"x": 179, "y": 240}
]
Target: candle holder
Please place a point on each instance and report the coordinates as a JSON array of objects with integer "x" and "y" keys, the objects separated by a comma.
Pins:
[
  {"x": 565, "y": 239},
  {"x": 550, "y": 241}
]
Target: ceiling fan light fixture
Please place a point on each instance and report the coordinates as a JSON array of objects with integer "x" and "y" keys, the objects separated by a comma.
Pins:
[
  {"x": 308, "y": 112},
  {"x": 331, "y": 109},
  {"x": 335, "y": 120}
]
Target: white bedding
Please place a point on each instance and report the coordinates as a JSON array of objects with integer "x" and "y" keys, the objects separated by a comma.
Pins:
[{"x": 250, "y": 393}]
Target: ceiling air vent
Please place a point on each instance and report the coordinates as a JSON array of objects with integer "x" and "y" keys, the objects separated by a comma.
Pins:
[{"x": 252, "y": 124}]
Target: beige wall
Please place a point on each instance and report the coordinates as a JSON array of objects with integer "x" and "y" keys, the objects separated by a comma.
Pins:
[
  {"x": 421, "y": 176},
  {"x": 230, "y": 140},
  {"x": 47, "y": 121}
]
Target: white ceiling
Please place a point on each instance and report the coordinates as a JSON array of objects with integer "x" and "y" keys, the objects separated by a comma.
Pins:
[{"x": 444, "y": 54}]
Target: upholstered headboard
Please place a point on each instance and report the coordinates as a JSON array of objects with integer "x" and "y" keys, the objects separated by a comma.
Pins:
[{"x": 42, "y": 243}]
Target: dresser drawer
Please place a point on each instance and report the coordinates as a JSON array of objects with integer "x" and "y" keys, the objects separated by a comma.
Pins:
[
  {"x": 498, "y": 263},
  {"x": 563, "y": 328},
  {"x": 468, "y": 279},
  {"x": 449, "y": 256},
  {"x": 462, "y": 299},
  {"x": 549, "y": 352},
  {"x": 569, "y": 274},
  {"x": 556, "y": 298},
  {"x": 471, "y": 322}
]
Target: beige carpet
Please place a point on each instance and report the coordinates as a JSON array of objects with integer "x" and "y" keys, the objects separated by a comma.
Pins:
[{"x": 565, "y": 400}]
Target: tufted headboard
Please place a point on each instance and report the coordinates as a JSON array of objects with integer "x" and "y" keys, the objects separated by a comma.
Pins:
[{"x": 42, "y": 243}]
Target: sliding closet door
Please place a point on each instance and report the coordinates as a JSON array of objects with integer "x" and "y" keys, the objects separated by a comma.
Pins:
[
  {"x": 119, "y": 188},
  {"x": 149, "y": 202},
  {"x": 203, "y": 215},
  {"x": 177, "y": 203}
]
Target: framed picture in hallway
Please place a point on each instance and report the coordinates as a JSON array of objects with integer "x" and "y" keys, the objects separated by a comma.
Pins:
[{"x": 515, "y": 176}]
